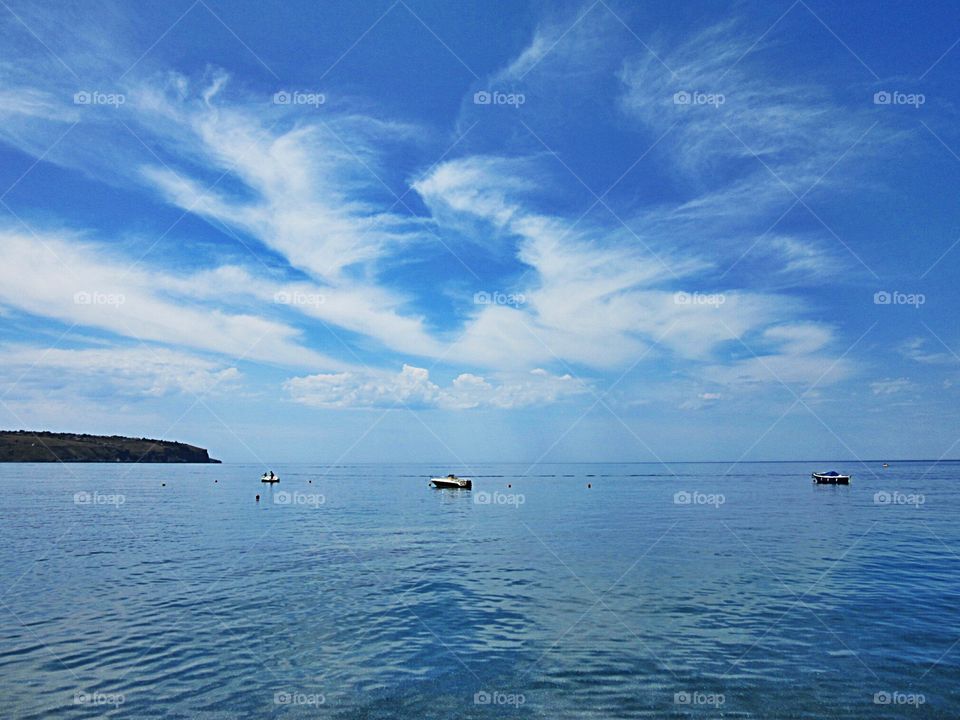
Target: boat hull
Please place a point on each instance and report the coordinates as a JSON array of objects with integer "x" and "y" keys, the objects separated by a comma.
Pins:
[
  {"x": 831, "y": 479},
  {"x": 444, "y": 484}
]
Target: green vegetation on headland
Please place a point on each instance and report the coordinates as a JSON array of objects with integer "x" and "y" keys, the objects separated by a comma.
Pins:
[{"x": 28, "y": 446}]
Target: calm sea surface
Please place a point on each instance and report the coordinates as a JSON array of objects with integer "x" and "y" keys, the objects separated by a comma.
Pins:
[{"x": 359, "y": 592}]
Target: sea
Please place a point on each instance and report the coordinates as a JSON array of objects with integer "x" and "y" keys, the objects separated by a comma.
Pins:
[{"x": 637, "y": 590}]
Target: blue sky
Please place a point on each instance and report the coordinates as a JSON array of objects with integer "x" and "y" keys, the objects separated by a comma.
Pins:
[{"x": 458, "y": 232}]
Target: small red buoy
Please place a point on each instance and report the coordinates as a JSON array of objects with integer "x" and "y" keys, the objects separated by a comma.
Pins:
[{"x": 258, "y": 498}]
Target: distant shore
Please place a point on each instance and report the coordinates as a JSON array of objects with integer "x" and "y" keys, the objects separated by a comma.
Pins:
[{"x": 30, "y": 446}]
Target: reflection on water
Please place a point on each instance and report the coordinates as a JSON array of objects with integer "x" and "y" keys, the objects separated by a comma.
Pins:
[{"x": 358, "y": 591}]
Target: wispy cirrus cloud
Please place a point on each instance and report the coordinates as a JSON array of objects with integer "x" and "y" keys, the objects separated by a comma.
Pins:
[
  {"x": 890, "y": 386},
  {"x": 64, "y": 276},
  {"x": 592, "y": 297},
  {"x": 310, "y": 196},
  {"x": 917, "y": 349}
]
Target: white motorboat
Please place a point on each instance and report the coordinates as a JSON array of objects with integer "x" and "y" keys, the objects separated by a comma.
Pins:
[{"x": 452, "y": 482}]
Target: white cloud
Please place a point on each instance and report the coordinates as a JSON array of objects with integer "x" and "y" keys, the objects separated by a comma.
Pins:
[
  {"x": 481, "y": 186},
  {"x": 792, "y": 128},
  {"x": 310, "y": 193},
  {"x": 801, "y": 256},
  {"x": 801, "y": 337},
  {"x": 795, "y": 353},
  {"x": 307, "y": 188},
  {"x": 592, "y": 296},
  {"x": 703, "y": 400},
  {"x": 413, "y": 388},
  {"x": 139, "y": 371},
  {"x": 916, "y": 349},
  {"x": 890, "y": 386},
  {"x": 58, "y": 275},
  {"x": 767, "y": 370}
]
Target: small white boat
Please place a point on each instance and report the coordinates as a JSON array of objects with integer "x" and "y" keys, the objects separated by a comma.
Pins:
[
  {"x": 452, "y": 482},
  {"x": 270, "y": 478},
  {"x": 831, "y": 478}
]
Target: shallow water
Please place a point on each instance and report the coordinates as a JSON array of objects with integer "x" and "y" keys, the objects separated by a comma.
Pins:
[{"x": 359, "y": 592}]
